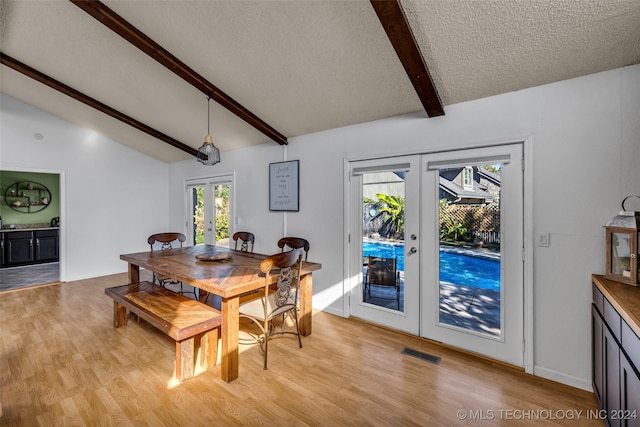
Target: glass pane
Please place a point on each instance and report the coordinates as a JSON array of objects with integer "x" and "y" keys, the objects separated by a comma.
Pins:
[
  {"x": 621, "y": 254},
  {"x": 469, "y": 262},
  {"x": 197, "y": 212},
  {"x": 221, "y": 209},
  {"x": 383, "y": 197}
]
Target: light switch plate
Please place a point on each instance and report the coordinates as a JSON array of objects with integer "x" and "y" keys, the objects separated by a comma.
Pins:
[{"x": 543, "y": 239}]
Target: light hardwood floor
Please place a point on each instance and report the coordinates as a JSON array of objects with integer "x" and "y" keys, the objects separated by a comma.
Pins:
[{"x": 63, "y": 363}]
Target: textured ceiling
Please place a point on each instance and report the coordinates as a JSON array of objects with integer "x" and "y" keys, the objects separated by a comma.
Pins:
[
  {"x": 483, "y": 48},
  {"x": 301, "y": 66}
]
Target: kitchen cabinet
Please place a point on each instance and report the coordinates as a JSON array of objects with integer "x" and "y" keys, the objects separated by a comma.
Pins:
[
  {"x": 19, "y": 247},
  {"x": 629, "y": 377},
  {"x": 46, "y": 245},
  {"x": 616, "y": 351},
  {"x": 597, "y": 339},
  {"x": 24, "y": 247},
  {"x": 611, "y": 376}
]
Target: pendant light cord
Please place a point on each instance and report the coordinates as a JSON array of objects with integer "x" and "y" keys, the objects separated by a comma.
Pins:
[{"x": 208, "y": 114}]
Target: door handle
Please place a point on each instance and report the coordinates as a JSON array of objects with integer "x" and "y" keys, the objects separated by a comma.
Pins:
[{"x": 413, "y": 250}]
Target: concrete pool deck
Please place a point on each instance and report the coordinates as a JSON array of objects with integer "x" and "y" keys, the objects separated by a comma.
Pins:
[
  {"x": 470, "y": 308},
  {"x": 466, "y": 307}
]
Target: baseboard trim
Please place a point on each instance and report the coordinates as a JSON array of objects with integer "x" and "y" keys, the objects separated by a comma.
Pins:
[
  {"x": 562, "y": 378},
  {"x": 331, "y": 310}
]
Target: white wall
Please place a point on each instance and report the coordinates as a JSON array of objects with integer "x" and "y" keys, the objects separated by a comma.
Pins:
[
  {"x": 113, "y": 197},
  {"x": 585, "y": 136}
]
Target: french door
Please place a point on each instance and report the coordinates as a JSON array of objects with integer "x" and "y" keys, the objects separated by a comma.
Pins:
[
  {"x": 385, "y": 197},
  {"x": 209, "y": 210},
  {"x": 472, "y": 277},
  {"x": 454, "y": 223}
]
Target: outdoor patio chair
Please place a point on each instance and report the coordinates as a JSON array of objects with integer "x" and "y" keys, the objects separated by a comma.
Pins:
[{"x": 382, "y": 272}]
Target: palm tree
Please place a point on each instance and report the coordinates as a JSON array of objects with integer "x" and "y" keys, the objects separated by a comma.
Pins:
[{"x": 392, "y": 213}]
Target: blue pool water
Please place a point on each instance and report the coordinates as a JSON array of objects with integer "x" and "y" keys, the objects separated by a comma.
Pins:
[{"x": 455, "y": 268}]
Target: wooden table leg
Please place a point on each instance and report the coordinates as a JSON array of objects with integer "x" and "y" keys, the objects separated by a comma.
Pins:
[
  {"x": 134, "y": 273},
  {"x": 306, "y": 293},
  {"x": 230, "y": 332}
]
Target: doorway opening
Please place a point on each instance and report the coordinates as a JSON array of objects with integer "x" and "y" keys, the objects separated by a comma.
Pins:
[{"x": 31, "y": 228}]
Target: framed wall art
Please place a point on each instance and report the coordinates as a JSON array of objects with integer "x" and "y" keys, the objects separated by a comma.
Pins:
[{"x": 284, "y": 186}]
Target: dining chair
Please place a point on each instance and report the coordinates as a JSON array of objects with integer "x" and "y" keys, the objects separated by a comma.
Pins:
[
  {"x": 382, "y": 272},
  {"x": 246, "y": 241},
  {"x": 294, "y": 243},
  {"x": 166, "y": 242},
  {"x": 270, "y": 303}
]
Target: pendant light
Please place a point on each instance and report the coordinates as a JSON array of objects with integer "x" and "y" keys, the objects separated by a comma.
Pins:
[{"x": 208, "y": 154}]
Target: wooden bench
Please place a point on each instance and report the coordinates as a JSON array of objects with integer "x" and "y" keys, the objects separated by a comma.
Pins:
[{"x": 193, "y": 325}]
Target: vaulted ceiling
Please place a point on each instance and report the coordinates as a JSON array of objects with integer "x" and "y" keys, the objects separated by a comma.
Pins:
[{"x": 299, "y": 66}]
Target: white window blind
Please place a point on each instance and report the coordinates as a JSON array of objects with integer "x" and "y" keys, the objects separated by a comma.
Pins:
[{"x": 404, "y": 167}]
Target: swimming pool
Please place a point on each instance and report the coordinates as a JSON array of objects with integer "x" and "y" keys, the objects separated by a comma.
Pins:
[{"x": 455, "y": 268}]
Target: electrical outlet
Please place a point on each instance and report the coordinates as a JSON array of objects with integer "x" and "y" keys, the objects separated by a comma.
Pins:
[{"x": 543, "y": 239}]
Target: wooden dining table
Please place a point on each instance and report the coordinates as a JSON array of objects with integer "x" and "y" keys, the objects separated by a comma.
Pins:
[{"x": 233, "y": 275}]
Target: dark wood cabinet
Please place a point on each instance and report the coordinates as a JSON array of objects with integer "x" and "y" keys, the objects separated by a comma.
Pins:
[
  {"x": 46, "y": 245},
  {"x": 19, "y": 247},
  {"x": 30, "y": 247},
  {"x": 611, "y": 375},
  {"x": 597, "y": 366},
  {"x": 629, "y": 392},
  {"x": 629, "y": 376},
  {"x": 615, "y": 359}
]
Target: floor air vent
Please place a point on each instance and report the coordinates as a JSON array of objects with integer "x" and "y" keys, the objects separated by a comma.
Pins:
[{"x": 421, "y": 355}]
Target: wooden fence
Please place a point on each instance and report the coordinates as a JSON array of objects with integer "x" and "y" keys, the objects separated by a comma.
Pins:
[{"x": 481, "y": 221}]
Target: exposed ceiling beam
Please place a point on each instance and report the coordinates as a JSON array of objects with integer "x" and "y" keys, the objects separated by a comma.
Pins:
[
  {"x": 397, "y": 28},
  {"x": 85, "y": 99},
  {"x": 130, "y": 33}
]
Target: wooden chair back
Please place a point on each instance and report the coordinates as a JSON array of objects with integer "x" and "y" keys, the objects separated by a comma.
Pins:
[
  {"x": 295, "y": 243},
  {"x": 167, "y": 240},
  {"x": 246, "y": 239},
  {"x": 286, "y": 296}
]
